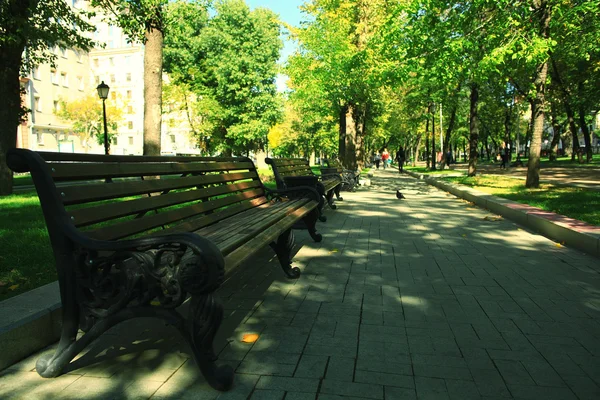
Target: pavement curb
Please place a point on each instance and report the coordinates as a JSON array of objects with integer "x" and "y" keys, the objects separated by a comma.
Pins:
[
  {"x": 29, "y": 322},
  {"x": 569, "y": 231}
]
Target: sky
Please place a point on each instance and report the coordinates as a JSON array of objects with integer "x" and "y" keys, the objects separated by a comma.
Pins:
[{"x": 288, "y": 12}]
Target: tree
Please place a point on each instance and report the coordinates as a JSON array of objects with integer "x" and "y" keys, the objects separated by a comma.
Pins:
[
  {"x": 143, "y": 21},
  {"x": 28, "y": 29},
  {"x": 242, "y": 48},
  {"x": 87, "y": 119},
  {"x": 336, "y": 53}
]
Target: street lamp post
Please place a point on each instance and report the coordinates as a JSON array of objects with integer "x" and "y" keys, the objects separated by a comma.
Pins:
[{"x": 103, "y": 89}]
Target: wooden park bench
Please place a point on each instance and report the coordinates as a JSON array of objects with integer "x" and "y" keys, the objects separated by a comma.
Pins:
[
  {"x": 127, "y": 244},
  {"x": 291, "y": 172},
  {"x": 349, "y": 177}
]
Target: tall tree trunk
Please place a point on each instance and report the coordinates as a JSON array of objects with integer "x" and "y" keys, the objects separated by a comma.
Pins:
[
  {"x": 566, "y": 97},
  {"x": 10, "y": 101},
  {"x": 473, "y": 130},
  {"x": 538, "y": 105},
  {"x": 433, "y": 154},
  {"x": 507, "y": 145},
  {"x": 586, "y": 134},
  {"x": 447, "y": 145},
  {"x": 342, "y": 135},
  {"x": 556, "y": 133},
  {"x": 416, "y": 150},
  {"x": 350, "y": 138},
  {"x": 153, "y": 66},
  {"x": 427, "y": 141}
]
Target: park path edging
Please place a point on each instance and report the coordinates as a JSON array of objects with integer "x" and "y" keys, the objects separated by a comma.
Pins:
[
  {"x": 572, "y": 232},
  {"x": 29, "y": 322}
]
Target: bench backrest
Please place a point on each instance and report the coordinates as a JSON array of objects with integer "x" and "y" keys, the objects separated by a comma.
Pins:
[
  {"x": 331, "y": 165},
  {"x": 115, "y": 197},
  {"x": 284, "y": 167}
]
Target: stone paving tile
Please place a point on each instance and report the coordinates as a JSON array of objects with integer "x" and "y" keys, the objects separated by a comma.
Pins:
[{"x": 363, "y": 390}]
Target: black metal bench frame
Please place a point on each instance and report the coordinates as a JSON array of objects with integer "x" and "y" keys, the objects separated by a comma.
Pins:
[
  {"x": 106, "y": 278},
  {"x": 291, "y": 172}
]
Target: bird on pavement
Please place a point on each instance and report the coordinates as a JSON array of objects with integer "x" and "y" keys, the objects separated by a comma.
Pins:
[{"x": 399, "y": 195}]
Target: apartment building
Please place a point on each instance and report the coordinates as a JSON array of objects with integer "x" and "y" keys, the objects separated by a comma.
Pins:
[
  {"x": 45, "y": 87},
  {"x": 120, "y": 65}
]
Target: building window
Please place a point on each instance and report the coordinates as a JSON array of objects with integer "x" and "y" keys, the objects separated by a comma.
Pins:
[
  {"x": 40, "y": 138},
  {"x": 36, "y": 73},
  {"x": 129, "y": 124},
  {"x": 79, "y": 56},
  {"x": 63, "y": 52},
  {"x": 129, "y": 109},
  {"x": 129, "y": 94},
  {"x": 111, "y": 44},
  {"x": 113, "y": 95},
  {"x": 37, "y": 103},
  {"x": 127, "y": 60},
  {"x": 112, "y": 79},
  {"x": 96, "y": 63},
  {"x": 110, "y": 30},
  {"x": 64, "y": 79},
  {"x": 114, "y": 141},
  {"x": 173, "y": 139},
  {"x": 55, "y": 106},
  {"x": 97, "y": 79},
  {"x": 131, "y": 140},
  {"x": 80, "y": 82},
  {"x": 111, "y": 61},
  {"x": 128, "y": 77},
  {"x": 54, "y": 76}
]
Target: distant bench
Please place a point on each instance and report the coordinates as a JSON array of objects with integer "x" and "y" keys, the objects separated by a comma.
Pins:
[
  {"x": 127, "y": 244},
  {"x": 349, "y": 178},
  {"x": 291, "y": 172}
]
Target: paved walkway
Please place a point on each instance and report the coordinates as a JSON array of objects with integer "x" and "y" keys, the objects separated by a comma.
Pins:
[{"x": 426, "y": 298}]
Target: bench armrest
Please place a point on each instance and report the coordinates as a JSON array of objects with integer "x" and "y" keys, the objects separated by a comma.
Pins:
[{"x": 179, "y": 262}]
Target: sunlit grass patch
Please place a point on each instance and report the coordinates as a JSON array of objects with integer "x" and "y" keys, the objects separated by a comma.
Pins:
[{"x": 579, "y": 203}]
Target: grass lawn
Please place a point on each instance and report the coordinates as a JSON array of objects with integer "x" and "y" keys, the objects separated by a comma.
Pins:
[
  {"x": 26, "y": 260},
  {"x": 578, "y": 203},
  {"x": 22, "y": 180}
]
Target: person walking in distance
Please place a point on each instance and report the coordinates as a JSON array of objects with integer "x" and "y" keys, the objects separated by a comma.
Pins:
[
  {"x": 384, "y": 157},
  {"x": 400, "y": 157},
  {"x": 377, "y": 159}
]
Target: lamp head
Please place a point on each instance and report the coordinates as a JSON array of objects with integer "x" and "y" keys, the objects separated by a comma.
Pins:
[{"x": 103, "y": 89}]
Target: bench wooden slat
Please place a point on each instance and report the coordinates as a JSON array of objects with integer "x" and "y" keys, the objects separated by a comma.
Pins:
[
  {"x": 78, "y": 157},
  {"x": 243, "y": 252},
  {"x": 71, "y": 171},
  {"x": 96, "y": 192},
  {"x": 248, "y": 221},
  {"x": 133, "y": 227},
  {"x": 95, "y": 214},
  {"x": 238, "y": 234},
  {"x": 196, "y": 223}
]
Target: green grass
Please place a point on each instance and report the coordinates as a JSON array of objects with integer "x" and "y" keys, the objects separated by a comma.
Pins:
[
  {"x": 26, "y": 260},
  {"x": 22, "y": 180},
  {"x": 579, "y": 203}
]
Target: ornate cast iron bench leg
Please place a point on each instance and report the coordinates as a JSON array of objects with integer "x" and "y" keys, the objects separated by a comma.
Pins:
[
  {"x": 283, "y": 249},
  {"x": 205, "y": 316},
  {"x": 337, "y": 193}
]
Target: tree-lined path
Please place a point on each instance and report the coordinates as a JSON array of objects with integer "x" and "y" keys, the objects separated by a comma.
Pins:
[{"x": 419, "y": 298}]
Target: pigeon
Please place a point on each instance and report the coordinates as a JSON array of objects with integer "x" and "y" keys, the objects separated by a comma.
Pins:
[{"x": 399, "y": 195}]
